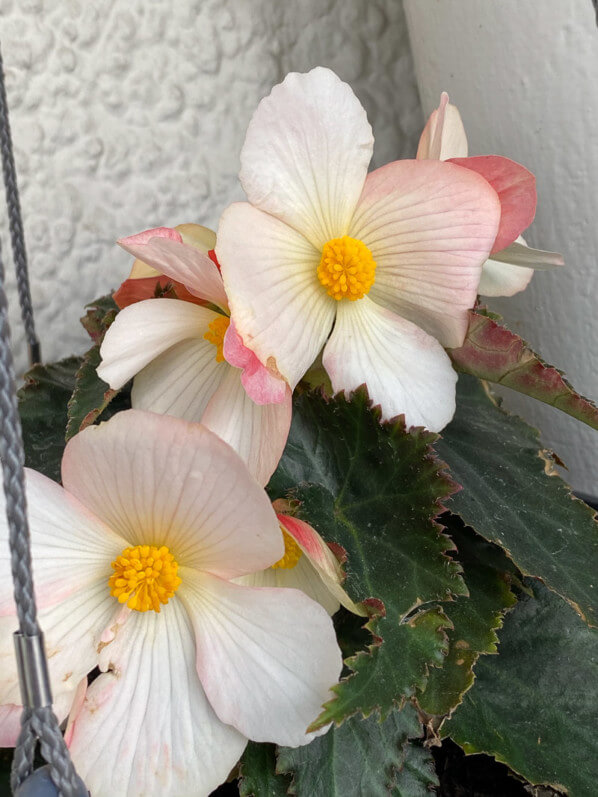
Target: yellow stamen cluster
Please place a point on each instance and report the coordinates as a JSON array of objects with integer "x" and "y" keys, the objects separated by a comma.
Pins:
[
  {"x": 347, "y": 269},
  {"x": 144, "y": 577},
  {"x": 292, "y": 553},
  {"x": 215, "y": 334}
]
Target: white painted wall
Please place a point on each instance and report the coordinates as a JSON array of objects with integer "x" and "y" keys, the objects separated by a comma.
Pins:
[
  {"x": 524, "y": 74},
  {"x": 129, "y": 114}
]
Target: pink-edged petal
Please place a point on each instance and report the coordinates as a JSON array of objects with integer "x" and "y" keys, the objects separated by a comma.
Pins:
[
  {"x": 321, "y": 558},
  {"x": 444, "y": 135},
  {"x": 257, "y": 432},
  {"x": 270, "y": 272},
  {"x": 145, "y": 726},
  {"x": 303, "y": 576},
  {"x": 163, "y": 249},
  {"x": 71, "y": 548},
  {"x": 142, "y": 331},
  {"x": 181, "y": 381},
  {"x": 430, "y": 226},
  {"x": 407, "y": 372},
  {"x": 306, "y": 154},
  {"x": 516, "y": 189},
  {"x": 262, "y": 385},
  {"x": 202, "y": 238},
  {"x": 159, "y": 480},
  {"x": 266, "y": 658}
]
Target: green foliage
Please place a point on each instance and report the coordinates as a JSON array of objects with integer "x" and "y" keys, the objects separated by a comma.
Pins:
[
  {"x": 363, "y": 756},
  {"x": 258, "y": 776},
  {"x": 535, "y": 705},
  {"x": 374, "y": 490},
  {"x": 43, "y": 408},
  {"x": 496, "y": 354},
  {"x": 512, "y": 496},
  {"x": 488, "y": 575}
]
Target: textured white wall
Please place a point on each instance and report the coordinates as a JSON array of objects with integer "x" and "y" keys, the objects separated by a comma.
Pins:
[
  {"x": 128, "y": 114},
  {"x": 524, "y": 75}
]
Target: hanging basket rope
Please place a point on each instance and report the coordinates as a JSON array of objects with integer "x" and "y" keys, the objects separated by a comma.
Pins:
[{"x": 38, "y": 721}]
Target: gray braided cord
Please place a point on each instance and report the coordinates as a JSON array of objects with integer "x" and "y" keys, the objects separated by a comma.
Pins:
[
  {"x": 36, "y": 723},
  {"x": 15, "y": 223}
]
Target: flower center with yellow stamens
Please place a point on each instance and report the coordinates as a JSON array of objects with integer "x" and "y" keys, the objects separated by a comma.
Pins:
[
  {"x": 292, "y": 553},
  {"x": 144, "y": 577},
  {"x": 347, "y": 269},
  {"x": 215, "y": 334}
]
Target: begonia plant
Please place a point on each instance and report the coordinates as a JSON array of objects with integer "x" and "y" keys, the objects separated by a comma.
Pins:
[{"x": 284, "y": 534}]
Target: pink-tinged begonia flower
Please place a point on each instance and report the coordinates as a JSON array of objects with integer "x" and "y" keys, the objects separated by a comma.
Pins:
[
  {"x": 308, "y": 564},
  {"x": 133, "y": 563},
  {"x": 189, "y": 362},
  {"x": 512, "y": 264},
  {"x": 380, "y": 269}
]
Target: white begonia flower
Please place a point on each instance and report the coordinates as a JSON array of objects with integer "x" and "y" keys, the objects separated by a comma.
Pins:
[
  {"x": 133, "y": 561},
  {"x": 380, "y": 269},
  {"x": 188, "y": 361},
  {"x": 509, "y": 270}
]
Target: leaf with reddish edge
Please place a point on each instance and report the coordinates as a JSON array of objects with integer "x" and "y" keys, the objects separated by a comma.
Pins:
[
  {"x": 516, "y": 189},
  {"x": 496, "y": 354}
]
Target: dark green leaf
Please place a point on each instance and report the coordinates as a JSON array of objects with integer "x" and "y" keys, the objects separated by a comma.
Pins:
[
  {"x": 43, "y": 408},
  {"x": 512, "y": 496},
  {"x": 374, "y": 491},
  {"x": 362, "y": 756},
  {"x": 100, "y": 314},
  {"x": 496, "y": 354},
  {"x": 475, "y": 618},
  {"x": 258, "y": 773},
  {"x": 535, "y": 705},
  {"x": 91, "y": 395},
  {"x": 417, "y": 777}
]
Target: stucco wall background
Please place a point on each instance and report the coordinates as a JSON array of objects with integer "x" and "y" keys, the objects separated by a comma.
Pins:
[{"x": 129, "y": 114}]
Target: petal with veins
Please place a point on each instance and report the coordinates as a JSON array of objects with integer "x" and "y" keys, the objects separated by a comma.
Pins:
[
  {"x": 406, "y": 371},
  {"x": 159, "y": 480},
  {"x": 163, "y": 249},
  {"x": 306, "y": 154},
  {"x": 257, "y": 432},
  {"x": 180, "y": 381},
  {"x": 142, "y": 331},
  {"x": 281, "y": 311},
  {"x": 71, "y": 547},
  {"x": 430, "y": 226},
  {"x": 516, "y": 189},
  {"x": 265, "y": 657},
  {"x": 145, "y": 726}
]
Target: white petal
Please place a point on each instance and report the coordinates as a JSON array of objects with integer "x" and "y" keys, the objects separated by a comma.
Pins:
[
  {"x": 503, "y": 279},
  {"x": 73, "y": 630},
  {"x": 71, "y": 548},
  {"x": 444, "y": 135},
  {"x": 306, "y": 154},
  {"x": 257, "y": 432},
  {"x": 406, "y": 370},
  {"x": 279, "y": 307},
  {"x": 303, "y": 576},
  {"x": 430, "y": 226},
  {"x": 142, "y": 331},
  {"x": 266, "y": 657},
  {"x": 181, "y": 381},
  {"x": 146, "y": 727},
  {"x": 520, "y": 254},
  {"x": 159, "y": 480}
]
